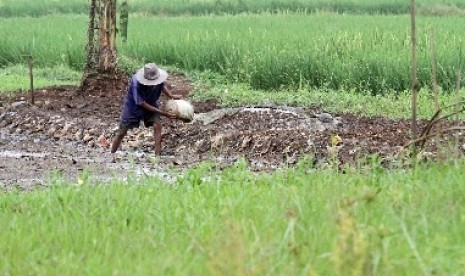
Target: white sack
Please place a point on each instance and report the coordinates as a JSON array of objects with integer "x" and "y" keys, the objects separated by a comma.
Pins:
[{"x": 181, "y": 108}]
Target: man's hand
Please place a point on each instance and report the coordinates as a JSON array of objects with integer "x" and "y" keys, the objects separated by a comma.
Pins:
[{"x": 170, "y": 115}]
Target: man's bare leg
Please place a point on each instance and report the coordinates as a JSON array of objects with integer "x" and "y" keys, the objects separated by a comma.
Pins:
[
  {"x": 157, "y": 136},
  {"x": 118, "y": 138}
]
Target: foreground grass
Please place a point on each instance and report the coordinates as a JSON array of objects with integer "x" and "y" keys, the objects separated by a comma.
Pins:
[{"x": 295, "y": 221}]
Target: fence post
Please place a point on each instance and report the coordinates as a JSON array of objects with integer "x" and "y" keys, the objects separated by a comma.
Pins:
[
  {"x": 414, "y": 76},
  {"x": 458, "y": 80},
  {"x": 31, "y": 77}
]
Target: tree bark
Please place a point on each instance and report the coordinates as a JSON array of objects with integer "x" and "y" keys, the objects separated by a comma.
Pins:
[
  {"x": 101, "y": 43},
  {"x": 107, "y": 36}
]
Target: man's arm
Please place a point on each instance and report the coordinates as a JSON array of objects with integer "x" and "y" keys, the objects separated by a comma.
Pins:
[
  {"x": 170, "y": 95},
  {"x": 150, "y": 108}
]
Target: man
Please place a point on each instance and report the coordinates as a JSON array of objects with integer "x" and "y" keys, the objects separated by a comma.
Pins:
[{"x": 141, "y": 103}]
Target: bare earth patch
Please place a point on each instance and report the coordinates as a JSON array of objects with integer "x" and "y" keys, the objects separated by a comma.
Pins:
[{"x": 68, "y": 132}]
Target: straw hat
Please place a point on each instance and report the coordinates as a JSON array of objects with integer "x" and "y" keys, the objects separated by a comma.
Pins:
[{"x": 150, "y": 74}]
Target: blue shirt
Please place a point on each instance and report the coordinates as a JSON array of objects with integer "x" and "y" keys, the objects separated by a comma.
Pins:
[{"x": 136, "y": 95}]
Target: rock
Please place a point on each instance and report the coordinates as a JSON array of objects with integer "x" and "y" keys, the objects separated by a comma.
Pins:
[
  {"x": 140, "y": 136},
  {"x": 39, "y": 103},
  {"x": 78, "y": 136},
  {"x": 310, "y": 143},
  {"x": 425, "y": 156},
  {"x": 66, "y": 128},
  {"x": 337, "y": 122},
  {"x": 57, "y": 135},
  {"x": 114, "y": 130},
  {"x": 7, "y": 121},
  {"x": 133, "y": 144},
  {"x": 246, "y": 142},
  {"x": 93, "y": 131},
  {"x": 26, "y": 121},
  {"x": 103, "y": 142},
  {"x": 203, "y": 145},
  {"x": 290, "y": 160},
  {"x": 324, "y": 117},
  {"x": 139, "y": 155},
  {"x": 16, "y": 104},
  {"x": 87, "y": 137},
  {"x": 51, "y": 131},
  {"x": 217, "y": 141}
]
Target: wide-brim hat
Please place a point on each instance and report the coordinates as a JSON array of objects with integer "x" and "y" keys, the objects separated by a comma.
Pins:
[{"x": 150, "y": 74}]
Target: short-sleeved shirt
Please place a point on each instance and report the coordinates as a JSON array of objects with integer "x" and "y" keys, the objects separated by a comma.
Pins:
[{"x": 136, "y": 95}]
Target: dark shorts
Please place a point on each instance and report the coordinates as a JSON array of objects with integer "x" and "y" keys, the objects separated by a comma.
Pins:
[{"x": 148, "y": 119}]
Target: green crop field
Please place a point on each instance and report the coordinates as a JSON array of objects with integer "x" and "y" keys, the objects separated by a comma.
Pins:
[
  {"x": 269, "y": 52},
  {"x": 196, "y": 7},
  {"x": 295, "y": 222}
]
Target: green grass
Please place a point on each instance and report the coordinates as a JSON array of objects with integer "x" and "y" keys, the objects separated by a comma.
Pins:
[
  {"x": 295, "y": 221},
  {"x": 268, "y": 52},
  {"x": 16, "y": 78},
  {"x": 197, "y": 7},
  {"x": 209, "y": 86}
]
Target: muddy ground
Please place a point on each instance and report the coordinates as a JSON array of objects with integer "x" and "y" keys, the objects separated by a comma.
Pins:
[{"x": 67, "y": 132}]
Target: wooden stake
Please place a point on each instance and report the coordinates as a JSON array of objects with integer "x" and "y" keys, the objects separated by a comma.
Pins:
[
  {"x": 458, "y": 79},
  {"x": 31, "y": 77},
  {"x": 414, "y": 75},
  {"x": 435, "y": 88}
]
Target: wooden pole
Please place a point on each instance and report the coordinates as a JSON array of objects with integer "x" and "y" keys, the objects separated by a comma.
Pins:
[
  {"x": 31, "y": 77},
  {"x": 414, "y": 75},
  {"x": 434, "y": 82},
  {"x": 458, "y": 80}
]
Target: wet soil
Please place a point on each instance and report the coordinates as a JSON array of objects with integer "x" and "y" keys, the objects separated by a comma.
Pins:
[{"x": 68, "y": 131}]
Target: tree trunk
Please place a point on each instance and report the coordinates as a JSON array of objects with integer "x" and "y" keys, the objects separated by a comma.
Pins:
[
  {"x": 107, "y": 36},
  {"x": 101, "y": 43},
  {"x": 90, "y": 48}
]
